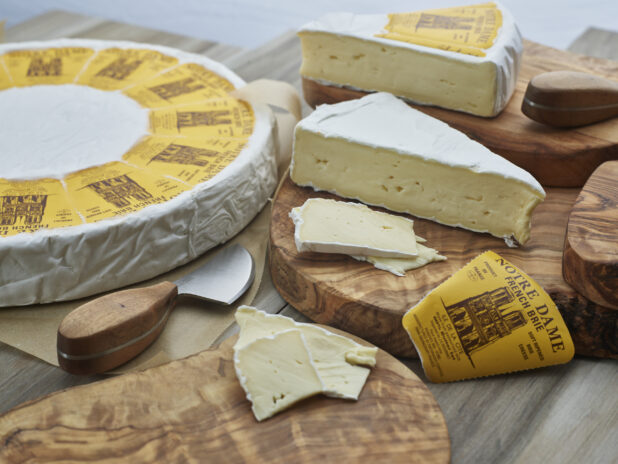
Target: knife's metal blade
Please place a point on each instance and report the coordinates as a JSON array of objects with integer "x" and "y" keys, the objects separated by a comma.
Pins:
[{"x": 223, "y": 279}]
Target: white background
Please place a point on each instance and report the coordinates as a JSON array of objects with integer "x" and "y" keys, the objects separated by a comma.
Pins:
[{"x": 250, "y": 23}]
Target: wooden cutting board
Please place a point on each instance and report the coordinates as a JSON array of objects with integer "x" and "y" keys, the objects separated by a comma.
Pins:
[
  {"x": 555, "y": 157},
  {"x": 590, "y": 259},
  {"x": 194, "y": 410},
  {"x": 354, "y": 296}
]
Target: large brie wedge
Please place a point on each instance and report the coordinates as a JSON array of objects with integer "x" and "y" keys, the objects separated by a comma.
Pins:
[
  {"x": 120, "y": 161},
  {"x": 382, "y": 152},
  {"x": 461, "y": 58}
]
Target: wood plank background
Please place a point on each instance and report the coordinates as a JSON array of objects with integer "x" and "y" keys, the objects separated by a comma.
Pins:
[{"x": 560, "y": 414}]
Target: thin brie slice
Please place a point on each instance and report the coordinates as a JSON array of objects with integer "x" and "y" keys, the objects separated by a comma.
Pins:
[
  {"x": 399, "y": 266},
  {"x": 276, "y": 372},
  {"x": 338, "y": 360},
  {"x": 330, "y": 226}
]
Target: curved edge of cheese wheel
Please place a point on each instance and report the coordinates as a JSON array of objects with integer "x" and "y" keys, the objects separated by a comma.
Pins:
[
  {"x": 48, "y": 266},
  {"x": 96, "y": 45}
]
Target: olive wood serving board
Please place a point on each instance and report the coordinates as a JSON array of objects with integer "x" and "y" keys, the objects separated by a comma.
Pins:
[
  {"x": 554, "y": 156},
  {"x": 194, "y": 410},
  {"x": 590, "y": 260},
  {"x": 339, "y": 291}
]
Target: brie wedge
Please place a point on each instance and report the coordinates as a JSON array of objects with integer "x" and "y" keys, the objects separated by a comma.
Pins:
[
  {"x": 382, "y": 152},
  {"x": 462, "y": 58},
  {"x": 399, "y": 266},
  {"x": 330, "y": 226}
]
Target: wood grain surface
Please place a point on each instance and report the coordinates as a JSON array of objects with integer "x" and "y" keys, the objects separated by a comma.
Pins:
[
  {"x": 554, "y": 156},
  {"x": 590, "y": 260},
  {"x": 337, "y": 290},
  {"x": 194, "y": 410},
  {"x": 560, "y": 414}
]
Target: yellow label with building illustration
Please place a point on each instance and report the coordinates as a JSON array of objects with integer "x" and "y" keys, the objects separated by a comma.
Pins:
[
  {"x": 185, "y": 84},
  {"x": 118, "y": 68},
  {"x": 5, "y": 79},
  {"x": 224, "y": 117},
  {"x": 27, "y": 206},
  {"x": 48, "y": 66},
  {"x": 116, "y": 189},
  {"x": 468, "y": 29},
  {"x": 488, "y": 318},
  {"x": 191, "y": 160}
]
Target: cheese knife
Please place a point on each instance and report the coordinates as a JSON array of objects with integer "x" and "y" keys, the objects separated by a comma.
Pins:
[
  {"x": 570, "y": 99},
  {"x": 110, "y": 330}
]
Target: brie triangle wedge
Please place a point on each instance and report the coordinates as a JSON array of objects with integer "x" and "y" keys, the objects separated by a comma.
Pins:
[{"x": 382, "y": 152}]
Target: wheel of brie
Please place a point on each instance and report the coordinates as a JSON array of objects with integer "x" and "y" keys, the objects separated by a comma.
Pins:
[{"x": 120, "y": 161}]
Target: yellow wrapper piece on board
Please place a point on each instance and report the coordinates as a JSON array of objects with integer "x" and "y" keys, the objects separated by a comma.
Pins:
[
  {"x": 118, "y": 68},
  {"x": 48, "y": 66},
  {"x": 467, "y": 29},
  {"x": 488, "y": 318},
  {"x": 116, "y": 189},
  {"x": 5, "y": 79},
  {"x": 27, "y": 206},
  {"x": 187, "y": 159},
  {"x": 188, "y": 83},
  {"x": 224, "y": 117}
]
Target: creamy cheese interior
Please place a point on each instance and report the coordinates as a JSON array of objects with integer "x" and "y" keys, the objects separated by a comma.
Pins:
[
  {"x": 52, "y": 130},
  {"x": 450, "y": 195},
  {"x": 276, "y": 372},
  {"x": 423, "y": 77}
]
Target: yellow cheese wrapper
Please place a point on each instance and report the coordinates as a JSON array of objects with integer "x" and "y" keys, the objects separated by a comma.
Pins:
[
  {"x": 224, "y": 117},
  {"x": 191, "y": 160},
  {"x": 48, "y": 66},
  {"x": 488, "y": 318},
  {"x": 5, "y": 79},
  {"x": 116, "y": 189},
  {"x": 118, "y": 68},
  {"x": 468, "y": 29},
  {"x": 27, "y": 206},
  {"x": 188, "y": 83}
]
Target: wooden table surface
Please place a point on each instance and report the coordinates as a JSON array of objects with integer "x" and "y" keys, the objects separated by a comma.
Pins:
[{"x": 560, "y": 414}]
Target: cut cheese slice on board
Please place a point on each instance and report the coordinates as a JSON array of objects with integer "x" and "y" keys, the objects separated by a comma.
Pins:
[
  {"x": 121, "y": 161},
  {"x": 399, "y": 266},
  {"x": 340, "y": 362},
  {"x": 382, "y": 152},
  {"x": 276, "y": 372},
  {"x": 462, "y": 58},
  {"x": 330, "y": 226}
]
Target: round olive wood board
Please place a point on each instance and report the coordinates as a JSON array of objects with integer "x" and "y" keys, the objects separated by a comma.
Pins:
[
  {"x": 339, "y": 291},
  {"x": 194, "y": 410},
  {"x": 555, "y": 157},
  {"x": 590, "y": 260}
]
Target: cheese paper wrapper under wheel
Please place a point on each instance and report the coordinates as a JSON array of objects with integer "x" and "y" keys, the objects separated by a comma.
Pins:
[{"x": 488, "y": 318}]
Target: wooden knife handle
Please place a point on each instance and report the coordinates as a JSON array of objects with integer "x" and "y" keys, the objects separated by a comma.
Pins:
[
  {"x": 109, "y": 331},
  {"x": 570, "y": 99}
]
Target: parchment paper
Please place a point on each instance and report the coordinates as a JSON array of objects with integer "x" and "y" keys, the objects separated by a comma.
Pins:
[{"x": 193, "y": 326}]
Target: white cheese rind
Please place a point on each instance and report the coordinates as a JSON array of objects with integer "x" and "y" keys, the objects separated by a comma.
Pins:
[
  {"x": 74, "y": 262},
  {"x": 365, "y": 234},
  {"x": 276, "y": 372},
  {"x": 504, "y": 55},
  {"x": 384, "y": 124}
]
